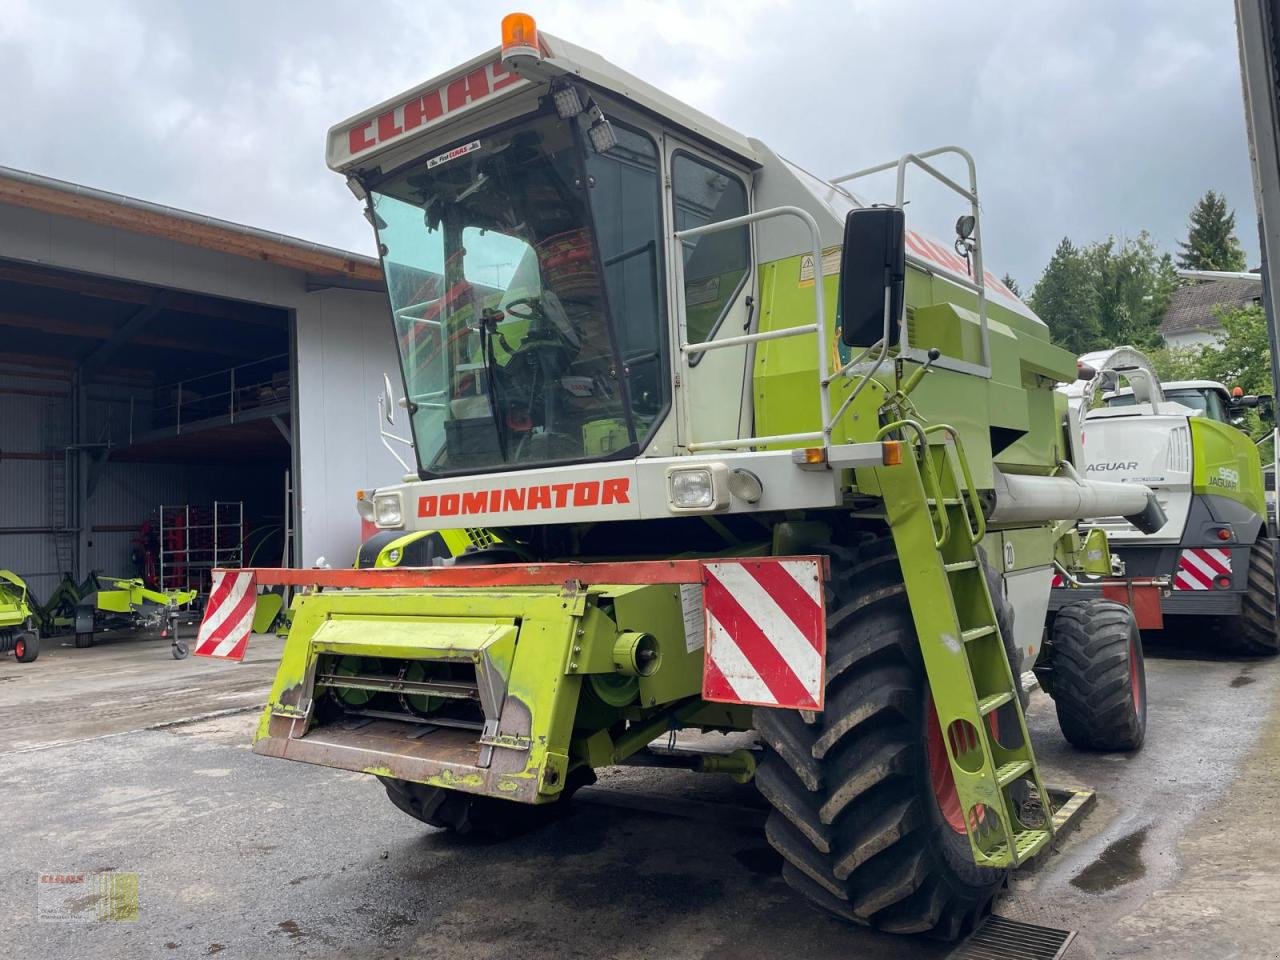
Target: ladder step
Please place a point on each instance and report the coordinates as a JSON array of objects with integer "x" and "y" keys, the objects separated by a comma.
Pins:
[
  {"x": 1027, "y": 843},
  {"x": 976, "y": 633},
  {"x": 1009, "y": 772},
  {"x": 960, "y": 565},
  {"x": 993, "y": 703},
  {"x": 945, "y": 501}
]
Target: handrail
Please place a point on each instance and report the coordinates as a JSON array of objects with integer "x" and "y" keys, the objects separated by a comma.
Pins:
[
  {"x": 819, "y": 326},
  {"x": 978, "y": 528},
  {"x": 978, "y": 284},
  {"x": 928, "y": 478}
]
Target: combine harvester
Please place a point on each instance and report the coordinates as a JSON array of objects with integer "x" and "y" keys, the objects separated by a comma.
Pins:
[
  {"x": 1215, "y": 555},
  {"x": 709, "y": 444}
]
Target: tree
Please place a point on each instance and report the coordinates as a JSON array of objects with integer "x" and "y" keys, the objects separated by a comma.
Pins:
[
  {"x": 1106, "y": 294},
  {"x": 1134, "y": 283},
  {"x": 1211, "y": 242},
  {"x": 1066, "y": 299},
  {"x": 1011, "y": 284}
]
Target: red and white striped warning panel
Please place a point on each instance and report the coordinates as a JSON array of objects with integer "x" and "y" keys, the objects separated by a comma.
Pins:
[
  {"x": 1199, "y": 567},
  {"x": 766, "y": 633},
  {"x": 228, "y": 615},
  {"x": 1058, "y": 580}
]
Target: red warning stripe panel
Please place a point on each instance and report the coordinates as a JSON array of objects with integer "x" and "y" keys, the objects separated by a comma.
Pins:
[
  {"x": 765, "y": 633},
  {"x": 228, "y": 616},
  {"x": 1198, "y": 567}
]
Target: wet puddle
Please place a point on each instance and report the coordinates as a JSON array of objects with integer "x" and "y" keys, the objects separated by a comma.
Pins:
[{"x": 1119, "y": 864}]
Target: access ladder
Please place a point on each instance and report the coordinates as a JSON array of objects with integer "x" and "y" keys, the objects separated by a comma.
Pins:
[{"x": 937, "y": 525}]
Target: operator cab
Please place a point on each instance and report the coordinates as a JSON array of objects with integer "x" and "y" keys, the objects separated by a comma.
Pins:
[
  {"x": 1203, "y": 398},
  {"x": 527, "y": 256}
]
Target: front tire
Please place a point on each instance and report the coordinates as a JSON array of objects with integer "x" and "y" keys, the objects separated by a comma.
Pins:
[
  {"x": 858, "y": 808},
  {"x": 1099, "y": 676}
]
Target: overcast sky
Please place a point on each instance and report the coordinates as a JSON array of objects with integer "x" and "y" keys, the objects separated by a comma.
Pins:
[{"x": 1088, "y": 118}]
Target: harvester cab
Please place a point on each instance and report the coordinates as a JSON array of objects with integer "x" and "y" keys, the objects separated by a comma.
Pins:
[
  {"x": 736, "y": 451},
  {"x": 1216, "y": 549}
]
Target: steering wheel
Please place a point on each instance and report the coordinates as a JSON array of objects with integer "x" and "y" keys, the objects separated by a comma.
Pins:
[{"x": 533, "y": 303}]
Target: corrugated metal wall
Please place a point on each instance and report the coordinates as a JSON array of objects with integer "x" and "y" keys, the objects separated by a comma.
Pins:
[
  {"x": 34, "y": 430},
  {"x": 34, "y": 423}
]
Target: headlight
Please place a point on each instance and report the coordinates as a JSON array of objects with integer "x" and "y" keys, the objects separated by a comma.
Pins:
[
  {"x": 698, "y": 489},
  {"x": 393, "y": 556},
  {"x": 386, "y": 510}
]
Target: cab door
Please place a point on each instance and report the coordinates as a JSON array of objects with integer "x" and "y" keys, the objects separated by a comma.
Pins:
[{"x": 716, "y": 294}]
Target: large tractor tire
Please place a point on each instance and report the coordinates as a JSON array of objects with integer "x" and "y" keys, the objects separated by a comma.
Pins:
[
  {"x": 1256, "y": 630},
  {"x": 470, "y": 815},
  {"x": 865, "y": 812},
  {"x": 1099, "y": 681}
]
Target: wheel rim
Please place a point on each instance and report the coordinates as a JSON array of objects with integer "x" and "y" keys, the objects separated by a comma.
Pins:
[
  {"x": 20, "y": 649},
  {"x": 941, "y": 778}
]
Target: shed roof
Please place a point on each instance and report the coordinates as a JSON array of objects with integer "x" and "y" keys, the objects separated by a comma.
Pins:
[{"x": 23, "y": 189}]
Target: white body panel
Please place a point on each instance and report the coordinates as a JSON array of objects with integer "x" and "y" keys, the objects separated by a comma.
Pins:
[
  {"x": 619, "y": 490},
  {"x": 1027, "y": 592},
  {"x": 1132, "y": 445}
]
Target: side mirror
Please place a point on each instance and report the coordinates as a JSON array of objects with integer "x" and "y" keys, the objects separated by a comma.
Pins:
[
  {"x": 873, "y": 269},
  {"x": 388, "y": 404}
]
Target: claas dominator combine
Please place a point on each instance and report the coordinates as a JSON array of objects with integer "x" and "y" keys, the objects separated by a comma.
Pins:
[{"x": 728, "y": 450}]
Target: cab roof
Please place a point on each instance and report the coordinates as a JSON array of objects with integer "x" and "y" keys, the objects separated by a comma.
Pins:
[{"x": 362, "y": 141}]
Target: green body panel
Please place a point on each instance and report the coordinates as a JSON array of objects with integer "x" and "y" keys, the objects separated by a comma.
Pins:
[
  {"x": 125, "y": 596},
  {"x": 1015, "y": 410},
  {"x": 15, "y": 609},
  {"x": 539, "y": 646},
  {"x": 1226, "y": 464},
  {"x": 457, "y": 541}
]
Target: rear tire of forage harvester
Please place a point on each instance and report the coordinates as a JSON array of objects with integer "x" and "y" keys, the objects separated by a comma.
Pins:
[
  {"x": 467, "y": 814},
  {"x": 1099, "y": 676},
  {"x": 1256, "y": 630},
  {"x": 864, "y": 813},
  {"x": 84, "y": 640}
]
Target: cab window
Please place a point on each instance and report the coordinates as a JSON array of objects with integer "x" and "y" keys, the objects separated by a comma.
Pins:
[{"x": 715, "y": 264}]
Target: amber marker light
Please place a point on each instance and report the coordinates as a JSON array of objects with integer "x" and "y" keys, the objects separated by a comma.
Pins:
[{"x": 891, "y": 453}]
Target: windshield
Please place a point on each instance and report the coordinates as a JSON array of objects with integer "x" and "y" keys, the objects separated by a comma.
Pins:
[
  {"x": 1206, "y": 402},
  {"x": 515, "y": 351}
]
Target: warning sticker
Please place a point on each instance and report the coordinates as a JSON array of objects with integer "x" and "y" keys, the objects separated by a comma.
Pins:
[
  {"x": 455, "y": 153},
  {"x": 695, "y": 624},
  {"x": 830, "y": 265}
]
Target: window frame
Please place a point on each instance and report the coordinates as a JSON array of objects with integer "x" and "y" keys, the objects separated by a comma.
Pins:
[{"x": 676, "y": 154}]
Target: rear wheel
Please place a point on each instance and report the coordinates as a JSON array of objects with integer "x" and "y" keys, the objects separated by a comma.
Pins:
[
  {"x": 1256, "y": 630},
  {"x": 865, "y": 813},
  {"x": 84, "y": 640},
  {"x": 1099, "y": 676},
  {"x": 479, "y": 816}
]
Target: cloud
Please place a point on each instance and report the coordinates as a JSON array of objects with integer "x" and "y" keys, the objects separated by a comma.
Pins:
[{"x": 1087, "y": 119}]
